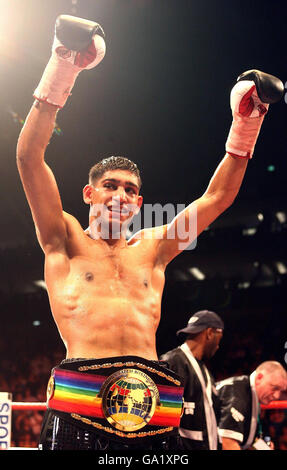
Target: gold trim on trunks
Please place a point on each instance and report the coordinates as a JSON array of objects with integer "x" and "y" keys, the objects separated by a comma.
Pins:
[
  {"x": 119, "y": 433},
  {"x": 130, "y": 364}
]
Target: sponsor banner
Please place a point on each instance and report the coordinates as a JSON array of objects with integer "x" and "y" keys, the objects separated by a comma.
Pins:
[{"x": 5, "y": 420}]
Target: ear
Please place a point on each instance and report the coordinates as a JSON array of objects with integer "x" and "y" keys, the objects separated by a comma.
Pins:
[
  {"x": 258, "y": 378},
  {"x": 209, "y": 333},
  {"x": 87, "y": 194},
  {"x": 139, "y": 204}
]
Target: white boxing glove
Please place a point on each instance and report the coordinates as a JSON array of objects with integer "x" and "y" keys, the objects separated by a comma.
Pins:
[
  {"x": 63, "y": 68},
  {"x": 248, "y": 113}
]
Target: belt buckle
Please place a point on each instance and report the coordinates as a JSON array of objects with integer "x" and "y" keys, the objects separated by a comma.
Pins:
[{"x": 129, "y": 399}]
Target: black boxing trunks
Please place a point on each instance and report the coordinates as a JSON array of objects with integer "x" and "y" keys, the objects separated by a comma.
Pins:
[{"x": 112, "y": 403}]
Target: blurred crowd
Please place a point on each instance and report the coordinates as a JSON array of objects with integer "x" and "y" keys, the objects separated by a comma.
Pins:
[{"x": 26, "y": 379}]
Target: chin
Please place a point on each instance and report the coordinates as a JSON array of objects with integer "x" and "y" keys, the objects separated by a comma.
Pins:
[
  {"x": 116, "y": 218},
  {"x": 265, "y": 401}
]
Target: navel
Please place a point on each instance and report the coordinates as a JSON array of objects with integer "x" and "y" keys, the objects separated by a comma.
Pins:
[
  {"x": 89, "y": 277},
  {"x": 145, "y": 283}
]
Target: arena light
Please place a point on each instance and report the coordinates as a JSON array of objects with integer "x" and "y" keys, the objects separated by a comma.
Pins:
[
  {"x": 281, "y": 267},
  {"x": 281, "y": 216},
  {"x": 249, "y": 232},
  {"x": 6, "y": 17},
  {"x": 11, "y": 14},
  {"x": 197, "y": 273},
  {"x": 41, "y": 284},
  {"x": 243, "y": 285}
]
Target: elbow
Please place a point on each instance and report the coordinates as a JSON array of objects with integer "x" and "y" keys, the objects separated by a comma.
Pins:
[
  {"x": 20, "y": 158},
  {"x": 225, "y": 201},
  {"x": 22, "y": 161},
  {"x": 22, "y": 154},
  {"x": 26, "y": 165},
  {"x": 25, "y": 158}
]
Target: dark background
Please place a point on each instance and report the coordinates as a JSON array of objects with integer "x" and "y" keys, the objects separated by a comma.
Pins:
[{"x": 161, "y": 98}]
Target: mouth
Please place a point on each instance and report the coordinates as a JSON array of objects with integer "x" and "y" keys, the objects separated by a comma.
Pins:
[
  {"x": 118, "y": 210},
  {"x": 267, "y": 400}
]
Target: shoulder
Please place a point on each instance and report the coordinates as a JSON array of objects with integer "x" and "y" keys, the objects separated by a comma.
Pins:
[
  {"x": 170, "y": 354},
  {"x": 73, "y": 226},
  {"x": 176, "y": 357},
  {"x": 74, "y": 232},
  {"x": 233, "y": 387},
  {"x": 70, "y": 219},
  {"x": 154, "y": 233},
  {"x": 149, "y": 240},
  {"x": 178, "y": 363}
]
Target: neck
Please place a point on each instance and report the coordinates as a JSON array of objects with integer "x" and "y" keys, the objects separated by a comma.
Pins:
[
  {"x": 196, "y": 348},
  {"x": 107, "y": 236}
]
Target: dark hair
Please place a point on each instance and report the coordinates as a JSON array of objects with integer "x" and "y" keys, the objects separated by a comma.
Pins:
[{"x": 113, "y": 163}]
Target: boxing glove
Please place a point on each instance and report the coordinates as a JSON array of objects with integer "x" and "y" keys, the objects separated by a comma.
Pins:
[
  {"x": 78, "y": 44},
  {"x": 249, "y": 101}
]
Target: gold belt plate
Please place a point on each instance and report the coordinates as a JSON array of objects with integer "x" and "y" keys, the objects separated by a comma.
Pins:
[{"x": 129, "y": 399}]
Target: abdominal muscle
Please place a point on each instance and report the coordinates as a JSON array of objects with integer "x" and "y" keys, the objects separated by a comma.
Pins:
[{"x": 106, "y": 318}]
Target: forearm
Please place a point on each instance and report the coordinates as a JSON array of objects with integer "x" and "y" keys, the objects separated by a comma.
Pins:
[
  {"x": 227, "y": 179},
  {"x": 248, "y": 113},
  {"x": 36, "y": 132},
  {"x": 230, "y": 444}
]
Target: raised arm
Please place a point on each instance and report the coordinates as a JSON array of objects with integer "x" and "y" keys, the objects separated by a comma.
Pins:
[
  {"x": 51, "y": 94},
  {"x": 37, "y": 178},
  {"x": 250, "y": 99}
]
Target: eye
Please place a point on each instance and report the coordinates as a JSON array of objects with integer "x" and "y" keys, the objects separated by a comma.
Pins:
[
  {"x": 111, "y": 186},
  {"x": 130, "y": 191}
]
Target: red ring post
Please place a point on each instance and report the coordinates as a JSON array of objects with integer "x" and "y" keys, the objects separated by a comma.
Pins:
[{"x": 275, "y": 405}]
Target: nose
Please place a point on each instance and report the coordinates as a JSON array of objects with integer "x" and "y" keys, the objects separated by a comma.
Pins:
[
  {"x": 121, "y": 194},
  {"x": 276, "y": 395}
]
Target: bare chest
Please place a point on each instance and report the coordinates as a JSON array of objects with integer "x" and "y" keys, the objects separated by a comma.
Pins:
[
  {"x": 115, "y": 270},
  {"x": 103, "y": 271}
]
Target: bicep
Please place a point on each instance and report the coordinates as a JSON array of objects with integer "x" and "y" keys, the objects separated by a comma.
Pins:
[
  {"x": 182, "y": 232},
  {"x": 44, "y": 200}
]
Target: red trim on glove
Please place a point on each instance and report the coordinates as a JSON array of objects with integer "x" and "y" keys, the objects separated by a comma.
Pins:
[
  {"x": 45, "y": 100},
  {"x": 248, "y": 156}
]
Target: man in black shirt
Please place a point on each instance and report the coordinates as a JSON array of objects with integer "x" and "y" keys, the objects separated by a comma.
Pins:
[
  {"x": 240, "y": 399},
  {"x": 198, "y": 425}
]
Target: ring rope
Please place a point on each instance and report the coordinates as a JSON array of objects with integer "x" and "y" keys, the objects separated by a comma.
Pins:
[
  {"x": 28, "y": 406},
  {"x": 273, "y": 405}
]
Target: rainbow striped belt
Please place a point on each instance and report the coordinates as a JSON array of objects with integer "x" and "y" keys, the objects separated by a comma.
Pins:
[{"x": 128, "y": 397}]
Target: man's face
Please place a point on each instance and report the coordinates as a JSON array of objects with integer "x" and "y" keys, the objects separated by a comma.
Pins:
[
  {"x": 269, "y": 386},
  {"x": 114, "y": 197}
]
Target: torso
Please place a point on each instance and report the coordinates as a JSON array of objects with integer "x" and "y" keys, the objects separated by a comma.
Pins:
[{"x": 106, "y": 301}]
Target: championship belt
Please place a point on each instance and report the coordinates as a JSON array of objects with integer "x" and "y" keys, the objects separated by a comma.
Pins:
[{"x": 122, "y": 397}]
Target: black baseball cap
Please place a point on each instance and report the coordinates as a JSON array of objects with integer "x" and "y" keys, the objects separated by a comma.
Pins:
[{"x": 202, "y": 320}]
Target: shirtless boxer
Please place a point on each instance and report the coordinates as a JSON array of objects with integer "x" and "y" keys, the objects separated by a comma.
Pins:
[{"x": 105, "y": 292}]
